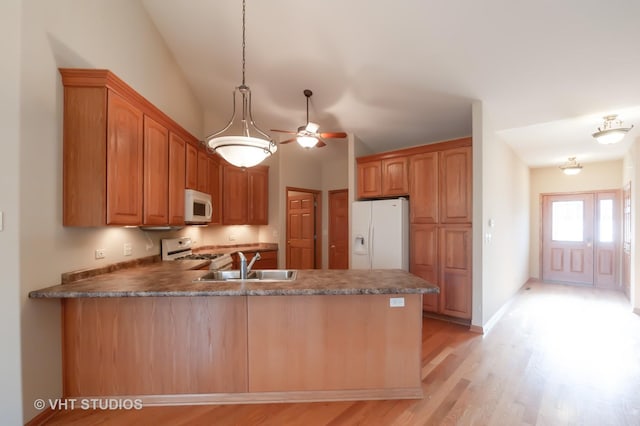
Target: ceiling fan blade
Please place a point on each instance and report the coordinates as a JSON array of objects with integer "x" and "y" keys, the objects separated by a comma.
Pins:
[
  {"x": 287, "y": 141},
  {"x": 333, "y": 135},
  {"x": 320, "y": 143},
  {"x": 284, "y": 131}
]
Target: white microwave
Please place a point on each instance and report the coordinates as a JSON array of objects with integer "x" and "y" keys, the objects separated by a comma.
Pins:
[{"x": 197, "y": 207}]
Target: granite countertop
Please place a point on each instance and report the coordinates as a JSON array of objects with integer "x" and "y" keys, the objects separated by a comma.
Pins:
[{"x": 176, "y": 279}]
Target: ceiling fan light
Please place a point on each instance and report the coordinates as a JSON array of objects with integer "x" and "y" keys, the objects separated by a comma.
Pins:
[
  {"x": 312, "y": 127},
  {"x": 307, "y": 141}
]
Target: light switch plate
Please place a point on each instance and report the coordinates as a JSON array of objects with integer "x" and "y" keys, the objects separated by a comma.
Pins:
[{"x": 396, "y": 302}]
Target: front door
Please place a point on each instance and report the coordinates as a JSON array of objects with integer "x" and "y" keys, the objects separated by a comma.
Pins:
[{"x": 579, "y": 238}]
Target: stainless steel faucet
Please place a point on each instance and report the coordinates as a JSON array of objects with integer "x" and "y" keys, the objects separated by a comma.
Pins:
[
  {"x": 244, "y": 268},
  {"x": 243, "y": 265}
]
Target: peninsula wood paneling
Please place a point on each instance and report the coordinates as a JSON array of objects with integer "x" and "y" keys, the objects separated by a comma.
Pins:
[
  {"x": 307, "y": 343},
  {"x": 154, "y": 345}
]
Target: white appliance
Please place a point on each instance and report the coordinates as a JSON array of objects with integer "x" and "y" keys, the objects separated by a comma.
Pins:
[
  {"x": 197, "y": 207},
  {"x": 181, "y": 249},
  {"x": 380, "y": 234}
]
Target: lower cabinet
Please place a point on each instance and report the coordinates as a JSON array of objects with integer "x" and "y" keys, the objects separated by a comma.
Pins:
[
  {"x": 441, "y": 254},
  {"x": 268, "y": 259},
  {"x": 154, "y": 345}
]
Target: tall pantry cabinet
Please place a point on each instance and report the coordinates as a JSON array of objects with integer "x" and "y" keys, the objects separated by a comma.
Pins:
[{"x": 440, "y": 189}]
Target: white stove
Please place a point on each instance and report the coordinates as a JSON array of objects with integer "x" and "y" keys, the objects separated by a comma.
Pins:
[{"x": 182, "y": 249}]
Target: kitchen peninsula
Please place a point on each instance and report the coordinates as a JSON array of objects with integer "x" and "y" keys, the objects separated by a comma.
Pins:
[{"x": 153, "y": 333}]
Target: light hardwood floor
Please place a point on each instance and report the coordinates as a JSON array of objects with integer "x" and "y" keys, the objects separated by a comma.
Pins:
[{"x": 561, "y": 355}]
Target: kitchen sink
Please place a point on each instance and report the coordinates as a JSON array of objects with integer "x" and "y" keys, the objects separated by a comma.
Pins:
[{"x": 262, "y": 275}]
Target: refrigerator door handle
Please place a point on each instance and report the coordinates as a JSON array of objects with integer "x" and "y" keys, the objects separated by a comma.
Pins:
[{"x": 371, "y": 248}]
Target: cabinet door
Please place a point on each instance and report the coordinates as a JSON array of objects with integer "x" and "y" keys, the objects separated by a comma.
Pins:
[
  {"x": 215, "y": 189},
  {"x": 370, "y": 179},
  {"x": 423, "y": 184},
  {"x": 455, "y": 271},
  {"x": 191, "y": 178},
  {"x": 234, "y": 195},
  {"x": 423, "y": 260},
  {"x": 258, "y": 195},
  {"x": 177, "y": 176},
  {"x": 455, "y": 185},
  {"x": 124, "y": 162},
  {"x": 156, "y": 173},
  {"x": 203, "y": 171},
  {"x": 395, "y": 180}
]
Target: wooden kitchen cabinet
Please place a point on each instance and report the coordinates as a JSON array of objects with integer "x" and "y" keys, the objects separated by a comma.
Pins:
[
  {"x": 386, "y": 177},
  {"x": 455, "y": 271},
  {"x": 115, "y": 153},
  {"x": 423, "y": 260},
  {"x": 215, "y": 189},
  {"x": 455, "y": 185},
  {"x": 245, "y": 195},
  {"x": 177, "y": 176},
  {"x": 204, "y": 178},
  {"x": 191, "y": 165},
  {"x": 369, "y": 179},
  {"x": 258, "y": 196},
  {"x": 102, "y": 158},
  {"x": 423, "y": 188},
  {"x": 156, "y": 173}
]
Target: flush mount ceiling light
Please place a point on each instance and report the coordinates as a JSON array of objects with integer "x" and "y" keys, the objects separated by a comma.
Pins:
[
  {"x": 611, "y": 130},
  {"x": 571, "y": 167},
  {"x": 241, "y": 142}
]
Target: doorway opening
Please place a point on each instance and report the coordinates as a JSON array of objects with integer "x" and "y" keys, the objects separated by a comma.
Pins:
[
  {"x": 304, "y": 222},
  {"x": 581, "y": 238}
]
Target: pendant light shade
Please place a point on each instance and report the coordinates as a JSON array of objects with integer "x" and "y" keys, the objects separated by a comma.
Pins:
[
  {"x": 241, "y": 142},
  {"x": 611, "y": 130}
]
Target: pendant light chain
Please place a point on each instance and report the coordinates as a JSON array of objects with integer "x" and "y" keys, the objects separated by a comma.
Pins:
[{"x": 243, "y": 39}]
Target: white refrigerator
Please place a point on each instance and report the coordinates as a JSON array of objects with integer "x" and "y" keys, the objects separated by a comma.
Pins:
[{"x": 380, "y": 234}]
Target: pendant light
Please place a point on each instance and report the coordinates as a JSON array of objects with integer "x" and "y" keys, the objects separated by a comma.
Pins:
[
  {"x": 241, "y": 142},
  {"x": 571, "y": 167},
  {"x": 611, "y": 130}
]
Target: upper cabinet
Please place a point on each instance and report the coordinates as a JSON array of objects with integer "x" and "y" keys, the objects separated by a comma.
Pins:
[
  {"x": 382, "y": 177},
  {"x": 191, "y": 167},
  {"x": 156, "y": 173},
  {"x": 123, "y": 159},
  {"x": 455, "y": 185},
  {"x": 423, "y": 186},
  {"x": 245, "y": 194},
  {"x": 177, "y": 178}
]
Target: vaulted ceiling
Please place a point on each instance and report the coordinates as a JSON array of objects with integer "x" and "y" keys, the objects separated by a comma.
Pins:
[{"x": 405, "y": 73}]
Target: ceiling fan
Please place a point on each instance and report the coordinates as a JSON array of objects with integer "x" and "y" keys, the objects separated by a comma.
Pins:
[{"x": 308, "y": 135}]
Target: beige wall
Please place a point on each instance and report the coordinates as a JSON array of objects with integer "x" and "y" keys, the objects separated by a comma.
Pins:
[
  {"x": 631, "y": 173},
  {"x": 10, "y": 384},
  {"x": 501, "y": 250},
  {"x": 111, "y": 34},
  {"x": 594, "y": 176}
]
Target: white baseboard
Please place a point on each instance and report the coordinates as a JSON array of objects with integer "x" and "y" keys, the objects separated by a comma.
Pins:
[{"x": 484, "y": 329}]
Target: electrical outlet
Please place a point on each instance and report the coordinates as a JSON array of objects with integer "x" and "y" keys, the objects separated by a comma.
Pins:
[
  {"x": 127, "y": 249},
  {"x": 100, "y": 253},
  {"x": 396, "y": 302}
]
